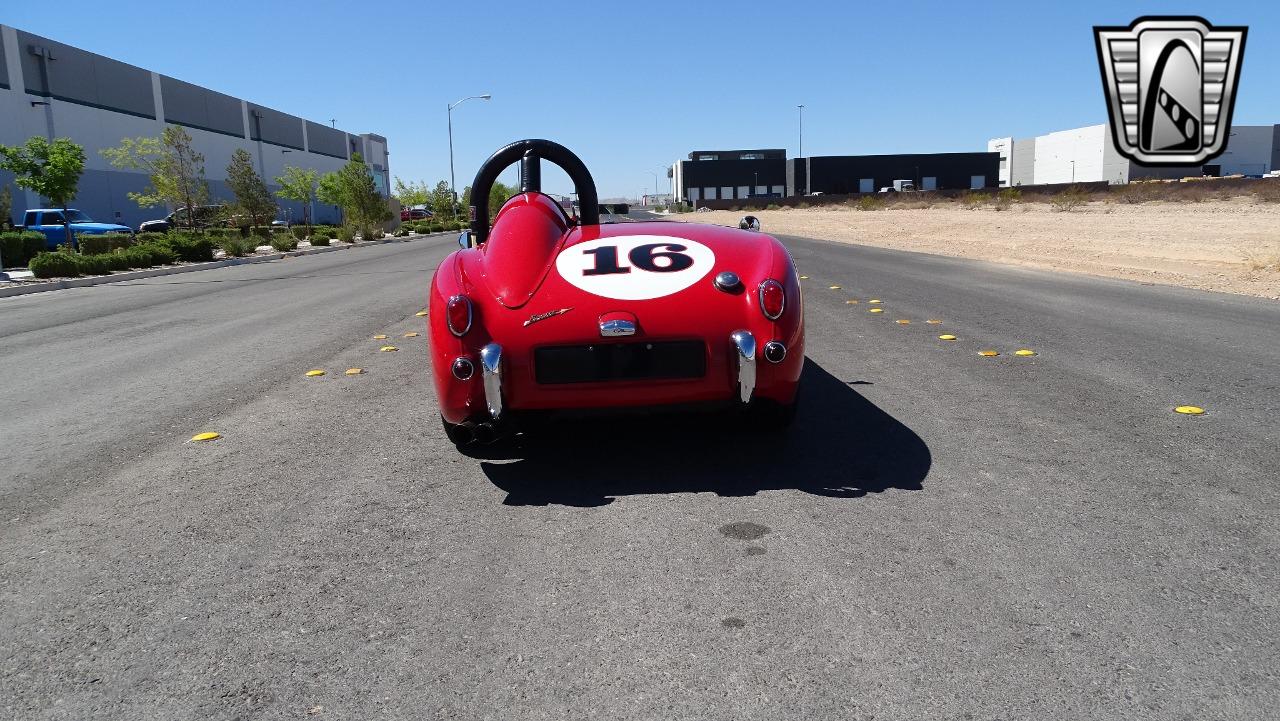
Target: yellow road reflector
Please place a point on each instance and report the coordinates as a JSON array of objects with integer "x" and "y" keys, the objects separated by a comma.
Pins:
[
  {"x": 875, "y": 300},
  {"x": 1024, "y": 351},
  {"x": 804, "y": 277},
  {"x": 834, "y": 287},
  {"x": 989, "y": 353},
  {"x": 209, "y": 436},
  {"x": 946, "y": 336},
  {"x": 314, "y": 373},
  {"x": 933, "y": 321},
  {"x": 875, "y": 310},
  {"x": 903, "y": 322},
  {"x": 1190, "y": 410},
  {"x": 354, "y": 371},
  {"x": 851, "y": 302},
  {"x": 387, "y": 348},
  {"x": 411, "y": 334},
  {"x": 421, "y": 314},
  {"x": 379, "y": 337}
]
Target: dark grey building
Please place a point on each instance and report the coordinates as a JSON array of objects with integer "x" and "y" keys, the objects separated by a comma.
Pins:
[{"x": 767, "y": 173}]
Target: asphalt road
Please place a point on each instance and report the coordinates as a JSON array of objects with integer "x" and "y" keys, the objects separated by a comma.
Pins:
[{"x": 940, "y": 534}]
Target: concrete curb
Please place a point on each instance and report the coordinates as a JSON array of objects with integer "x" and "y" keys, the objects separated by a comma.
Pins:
[{"x": 44, "y": 286}]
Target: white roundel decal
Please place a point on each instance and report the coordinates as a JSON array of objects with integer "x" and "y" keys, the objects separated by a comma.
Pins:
[{"x": 635, "y": 267}]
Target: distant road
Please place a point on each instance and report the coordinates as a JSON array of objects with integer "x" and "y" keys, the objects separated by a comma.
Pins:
[{"x": 940, "y": 534}]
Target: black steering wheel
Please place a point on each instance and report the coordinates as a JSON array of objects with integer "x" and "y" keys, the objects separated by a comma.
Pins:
[{"x": 531, "y": 152}]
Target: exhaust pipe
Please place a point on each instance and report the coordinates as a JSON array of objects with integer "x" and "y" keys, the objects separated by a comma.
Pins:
[
  {"x": 462, "y": 434},
  {"x": 485, "y": 433}
]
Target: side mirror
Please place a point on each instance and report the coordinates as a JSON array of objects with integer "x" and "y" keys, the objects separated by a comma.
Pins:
[
  {"x": 749, "y": 222},
  {"x": 464, "y": 239}
]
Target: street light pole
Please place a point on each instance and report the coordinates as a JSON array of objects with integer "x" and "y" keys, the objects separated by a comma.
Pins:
[{"x": 453, "y": 187}]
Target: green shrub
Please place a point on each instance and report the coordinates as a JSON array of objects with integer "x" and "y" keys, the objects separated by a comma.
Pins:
[
  {"x": 190, "y": 247},
  {"x": 327, "y": 231},
  {"x": 97, "y": 244},
  {"x": 160, "y": 253},
  {"x": 869, "y": 202},
  {"x": 93, "y": 264},
  {"x": 261, "y": 231},
  {"x": 460, "y": 225},
  {"x": 435, "y": 228},
  {"x": 299, "y": 232},
  {"x": 347, "y": 233},
  {"x": 973, "y": 201},
  {"x": 278, "y": 230},
  {"x": 371, "y": 232},
  {"x": 148, "y": 238},
  {"x": 772, "y": 206},
  {"x": 1070, "y": 199},
  {"x": 284, "y": 243},
  {"x": 320, "y": 239},
  {"x": 17, "y": 248},
  {"x": 238, "y": 247},
  {"x": 402, "y": 232},
  {"x": 54, "y": 265}
]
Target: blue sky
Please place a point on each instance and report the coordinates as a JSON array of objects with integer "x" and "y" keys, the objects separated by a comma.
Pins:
[{"x": 632, "y": 87}]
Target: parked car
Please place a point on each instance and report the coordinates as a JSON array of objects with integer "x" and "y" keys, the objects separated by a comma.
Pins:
[
  {"x": 407, "y": 214},
  {"x": 535, "y": 313},
  {"x": 205, "y": 216},
  {"x": 49, "y": 221}
]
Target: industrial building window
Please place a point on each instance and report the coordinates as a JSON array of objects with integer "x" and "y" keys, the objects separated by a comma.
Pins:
[
  {"x": 977, "y": 181},
  {"x": 694, "y": 195},
  {"x": 726, "y": 193},
  {"x": 744, "y": 191},
  {"x": 752, "y": 156},
  {"x": 708, "y": 157},
  {"x": 709, "y": 193},
  {"x": 866, "y": 185},
  {"x": 929, "y": 183},
  {"x": 778, "y": 190},
  {"x": 762, "y": 190}
]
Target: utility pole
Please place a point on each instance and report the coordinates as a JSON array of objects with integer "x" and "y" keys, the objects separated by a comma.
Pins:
[{"x": 453, "y": 188}]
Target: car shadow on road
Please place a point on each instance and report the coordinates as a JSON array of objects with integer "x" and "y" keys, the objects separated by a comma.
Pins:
[{"x": 840, "y": 445}]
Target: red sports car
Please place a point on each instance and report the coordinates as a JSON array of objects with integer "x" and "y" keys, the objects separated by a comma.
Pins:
[{"x": 542, "y": 313}]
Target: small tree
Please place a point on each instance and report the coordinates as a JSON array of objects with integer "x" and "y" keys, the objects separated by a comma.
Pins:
[
  {"x": 50, "y": 169},
  {"x": 299, "y": 185},
  {"x": 442, "y": 200},
  {"x": 360, "y": 195},
  {"x": 176, "y": 170},
  {"x": 413, "y": 193},
  {"x": 253, "y": 198},
  {"x": 6, "y": 207},
  {"x": 329, "y": 192},
  {"x": 498, "y": 195}
]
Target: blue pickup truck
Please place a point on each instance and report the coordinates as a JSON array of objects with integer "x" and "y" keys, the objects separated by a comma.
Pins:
[{"x": 50, "y": 222}]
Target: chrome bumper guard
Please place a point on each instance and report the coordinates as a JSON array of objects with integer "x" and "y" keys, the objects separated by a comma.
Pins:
[
  {"x": 491, "y": 363},
  {"x": 745, "y": 345}
]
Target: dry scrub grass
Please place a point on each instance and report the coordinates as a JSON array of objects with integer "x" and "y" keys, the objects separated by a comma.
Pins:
[{"x": 1223, "y": 245}]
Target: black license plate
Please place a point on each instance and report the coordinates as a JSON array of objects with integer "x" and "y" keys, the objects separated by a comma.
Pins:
[{"x": 619, "y": 362}]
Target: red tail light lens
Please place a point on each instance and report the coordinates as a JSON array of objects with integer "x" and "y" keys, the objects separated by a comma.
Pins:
[
  {"x": 458, "y": 315},
  {"x": 773, "y": 299}
]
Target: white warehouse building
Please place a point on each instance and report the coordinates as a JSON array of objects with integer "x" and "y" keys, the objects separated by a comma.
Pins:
[
  {"x": 55, "y": 90},
  {"x": 1084, "y": 155}
]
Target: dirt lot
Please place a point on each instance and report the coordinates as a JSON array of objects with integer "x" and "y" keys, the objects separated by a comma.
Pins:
[{"x": 1231, "y": 246}]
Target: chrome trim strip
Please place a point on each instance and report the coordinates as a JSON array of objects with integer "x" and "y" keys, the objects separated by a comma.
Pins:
[
  {"x": 615, "y": 328},
  {"x": 745, "y": 344},
  {"x": 491, "y": 362}
]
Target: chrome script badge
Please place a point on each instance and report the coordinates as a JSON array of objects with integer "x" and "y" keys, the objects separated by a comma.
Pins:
[{"x": 1170, "y": 84}]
